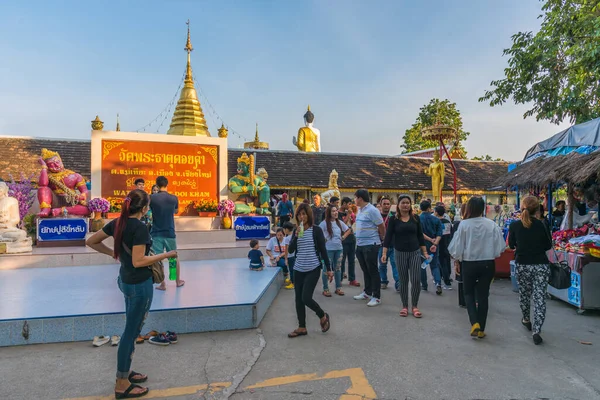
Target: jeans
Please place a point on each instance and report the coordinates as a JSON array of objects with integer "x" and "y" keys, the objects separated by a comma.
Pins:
[
  {"x": 446, "y": 266},
  {"x": 138, "y": 298},
  {"x": 304, "y": 287},
  {"x": 350, "y": 255},
  {"x": 291, "y": 263},
  {"x": 367, "y": 258},
  {"x": 283, "y": 219},
  {"x": 477, "y": 277},
  {"x": 383, "y": 268},
  {"x": 434, "y": 267},
  {"x": 281, "y": 264},
  {"x": 335, "y": 258}
]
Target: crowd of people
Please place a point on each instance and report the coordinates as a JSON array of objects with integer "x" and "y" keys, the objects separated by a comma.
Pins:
[{"x": 325, "y": 242}]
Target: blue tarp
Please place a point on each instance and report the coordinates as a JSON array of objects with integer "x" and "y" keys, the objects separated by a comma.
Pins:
[{"x": 583, "y": 138}]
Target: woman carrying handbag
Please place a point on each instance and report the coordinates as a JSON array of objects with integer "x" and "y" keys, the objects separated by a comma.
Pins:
[
  {"x": 134, "y": 281},
  {"x": 532, "y": 240}
]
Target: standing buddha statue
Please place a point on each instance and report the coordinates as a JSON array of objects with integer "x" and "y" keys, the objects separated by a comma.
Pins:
[
  {"x": 68, "y": 186},
  {"x": 309, "y": 137},
  {"x": 437, "y": 172}
]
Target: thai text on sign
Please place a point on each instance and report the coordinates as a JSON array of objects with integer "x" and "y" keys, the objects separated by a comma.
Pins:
[{"x": 192, "y": 169}]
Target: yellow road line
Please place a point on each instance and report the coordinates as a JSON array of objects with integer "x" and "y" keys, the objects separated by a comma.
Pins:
[{"x": 162, "y": 393}]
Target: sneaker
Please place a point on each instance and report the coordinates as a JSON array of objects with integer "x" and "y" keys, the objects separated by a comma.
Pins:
[
  {"x": 423, "y": 289},
  {"x": 290, "y": 286},
  {"x": 374, "y": 302},
  {"x": 171, "y": 337},
  {"x": 384, "y": 286},
  {"x": 537, "y": 339},
  {"x": 475, "y": 329},
  {"x": 362, "y": 296},
  {"x": 100, "y": 340},
  {"x": 438, "y": 290},
  {"x": 354, "y": 283},
  {"x": 160, "y": 340},
  {"x": 481, "y": 334},
  {"x": 114, "y": 340},
  {"x": 446, "y": 287},
  {"x": 287, "y": 281}
]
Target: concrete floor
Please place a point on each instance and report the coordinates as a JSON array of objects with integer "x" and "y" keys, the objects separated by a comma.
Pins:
[{"x": 372, "y": 350}]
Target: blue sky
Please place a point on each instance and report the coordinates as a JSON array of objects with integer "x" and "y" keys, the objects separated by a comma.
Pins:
[{"x": 365, "y": 67}]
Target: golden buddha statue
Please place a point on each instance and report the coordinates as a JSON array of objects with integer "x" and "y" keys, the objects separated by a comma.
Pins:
[
  {"x": 309, "y": 137},
  {"x": 437, "y": 171}
]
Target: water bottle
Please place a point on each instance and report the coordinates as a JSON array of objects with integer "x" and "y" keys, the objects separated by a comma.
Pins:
[
  {"x": 301, "y": 230},
  {"x": 426, "y": 261},
  {"x": 172, "y": 268}
]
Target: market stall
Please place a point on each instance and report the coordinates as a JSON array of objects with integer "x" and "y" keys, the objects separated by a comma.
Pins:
[{"x": 568, "y": 161}]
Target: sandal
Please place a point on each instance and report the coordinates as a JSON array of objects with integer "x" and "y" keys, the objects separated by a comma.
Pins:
[
  {"x": 326, "y": 293},
  {"x": 297, "y": 333},
  {"x": 404, "y": 312},
  {"x": 416, "y": 312},
  {"x": 150, "y": 334},
  {"x": 325, "y": 325},
  {"x": 140, "y": 339},
  {"x": 339, "y": 292},
  {"x": 128, "y": 395},
  {"x": 142, "y": 378}
]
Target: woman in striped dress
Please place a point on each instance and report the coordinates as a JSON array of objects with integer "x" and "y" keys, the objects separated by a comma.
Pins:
[
  {"x": 308, "y": 242},
  {"x": 404, "y": 232}
]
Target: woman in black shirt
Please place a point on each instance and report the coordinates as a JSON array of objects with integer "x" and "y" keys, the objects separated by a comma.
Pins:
[
  {"x": 531, "y": 239},
  {"x": 132, "y": 246},
  {"x": 404, "y": 232}
]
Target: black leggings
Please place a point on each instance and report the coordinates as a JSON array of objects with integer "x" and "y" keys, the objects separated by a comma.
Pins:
[
  {"x": 477, "y": 277},
  {"x": 305, "y": 284}
]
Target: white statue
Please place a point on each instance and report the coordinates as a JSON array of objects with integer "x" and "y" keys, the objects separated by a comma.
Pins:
[
  {"x": 15, "y": 239},
  {"x": 334, "y": 190}
]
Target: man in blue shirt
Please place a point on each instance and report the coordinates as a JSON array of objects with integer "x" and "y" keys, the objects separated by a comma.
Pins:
[
  {"x": 432, "y": 231},
  {"x": 164, "y": 206},
  {"x": 370, "y": 232}
]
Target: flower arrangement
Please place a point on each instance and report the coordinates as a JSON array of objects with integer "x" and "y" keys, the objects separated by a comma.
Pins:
[
  {"x": 23, "y": 192},
  {"x": 206, "y": 205},
  {"x": 99, "y": 205},
  {"x": 226, "y": 207},
  {"x": 115, "y": 206}
]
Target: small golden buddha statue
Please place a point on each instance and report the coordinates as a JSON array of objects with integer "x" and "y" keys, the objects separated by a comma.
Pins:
[
  {"x": 437, "y": 171},
  {"x": 309, "y": 137}
]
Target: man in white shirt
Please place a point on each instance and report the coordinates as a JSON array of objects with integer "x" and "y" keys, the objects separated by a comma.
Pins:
[{"x": 370, "y": 231}]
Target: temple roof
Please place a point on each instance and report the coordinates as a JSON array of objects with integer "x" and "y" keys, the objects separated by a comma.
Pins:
[{"x": 286, "y": 169}]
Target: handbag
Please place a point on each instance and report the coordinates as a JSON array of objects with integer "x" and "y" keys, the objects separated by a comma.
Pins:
[
  {"x": 560, "y": 274},
  {"x": 157, "y": 268}
]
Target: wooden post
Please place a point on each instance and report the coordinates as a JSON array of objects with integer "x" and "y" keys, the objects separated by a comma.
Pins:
[{"x": 571, "y": 205}]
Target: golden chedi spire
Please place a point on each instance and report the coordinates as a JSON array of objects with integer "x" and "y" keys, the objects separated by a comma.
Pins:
[
  {"x": 223, "y": 132},
  {"x": 256, "y": 143},
  {"x": 188, "y": 118},
  {"x": 118, "y": 129}
]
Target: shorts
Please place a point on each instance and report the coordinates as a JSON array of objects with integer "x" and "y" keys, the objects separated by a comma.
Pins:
[
  {"x": 163, "y": 244},
  {"x": 255, "y": 266}
]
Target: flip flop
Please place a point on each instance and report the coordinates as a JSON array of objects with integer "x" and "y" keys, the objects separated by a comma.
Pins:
[
  {"x": 114, "y": 340},
  {"x": 128, "y": 395},
  {"x": 181, "y": 283},
  {"x": 132, "y": 378},
  {"x": 150, "y": 334},
  {"x": 325, "y": 325},
  {"x": 297, "y": 333},
  {"x": 404, "y": 312}
]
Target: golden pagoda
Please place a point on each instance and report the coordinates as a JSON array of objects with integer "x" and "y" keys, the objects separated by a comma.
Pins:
[
  {"x": 188, "y": 118},
  {"x": 256, "y": 143}
]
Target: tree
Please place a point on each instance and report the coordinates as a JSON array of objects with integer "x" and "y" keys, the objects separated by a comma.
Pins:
[
  {"x": 557, "y": 69},
  {"x": 487, "y": 157},
  {"x": 428, "y": 115}
]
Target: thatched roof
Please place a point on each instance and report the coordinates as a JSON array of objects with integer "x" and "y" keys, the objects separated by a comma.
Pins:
[{"x": 572, "y": 168}]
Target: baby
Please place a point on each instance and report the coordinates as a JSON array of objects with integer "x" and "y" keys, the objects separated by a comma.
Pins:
[{"x": 257, "y": 261}]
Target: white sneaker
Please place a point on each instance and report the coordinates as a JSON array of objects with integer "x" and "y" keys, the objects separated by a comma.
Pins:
[
  {"x": 100, "y": 340},
  {"x": 374, "y": 302},
  {"x": 362, "y": 296}
]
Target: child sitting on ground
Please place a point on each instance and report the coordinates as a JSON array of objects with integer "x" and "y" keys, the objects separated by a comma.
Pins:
[
  {"x": 288, "y": 229},
  {"x": 257, "y": 261}
]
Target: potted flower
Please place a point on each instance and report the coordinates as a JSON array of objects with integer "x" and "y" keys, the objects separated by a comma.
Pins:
[
  {"x": 98, "y": 206},
  {"x": 114, "y": 210},
  {"x": 226, "y": 208},
  {"x": 206, "y": 208}
]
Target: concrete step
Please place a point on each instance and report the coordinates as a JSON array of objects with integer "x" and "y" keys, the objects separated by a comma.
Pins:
[
  {"x": 84, "y": 256},
  {"x": 196, "y": 237}
]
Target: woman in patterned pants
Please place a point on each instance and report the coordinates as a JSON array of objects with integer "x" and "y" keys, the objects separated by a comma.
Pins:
[{"x": 531, "y": 240}]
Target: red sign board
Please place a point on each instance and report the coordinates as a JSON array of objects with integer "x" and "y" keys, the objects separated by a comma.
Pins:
[{"x": 192, "y": 169}]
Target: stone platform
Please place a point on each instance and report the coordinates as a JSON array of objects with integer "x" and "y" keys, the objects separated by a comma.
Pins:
[{"x": 66, "y": 304}]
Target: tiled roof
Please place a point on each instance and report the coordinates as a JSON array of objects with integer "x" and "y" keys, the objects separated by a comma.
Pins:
[{"x": 286, "y": 169}]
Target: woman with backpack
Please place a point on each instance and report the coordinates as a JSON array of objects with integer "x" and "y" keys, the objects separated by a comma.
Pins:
[
  {"x": 335, "y": 232},
  {"x": 308, "y": 242}
]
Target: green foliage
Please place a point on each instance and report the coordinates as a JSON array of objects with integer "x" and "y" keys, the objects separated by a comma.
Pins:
[
  {"x": 487, "y": 157},
  {"x": 428, "y": 115},
  {"x": 556, "y": 70}
]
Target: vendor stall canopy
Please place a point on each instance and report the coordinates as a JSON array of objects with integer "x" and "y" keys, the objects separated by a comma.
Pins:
[{"x": 583, "y": 139}]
